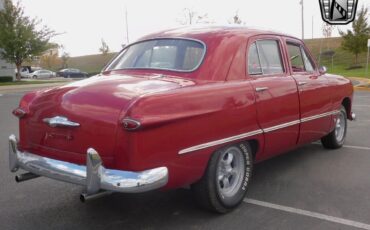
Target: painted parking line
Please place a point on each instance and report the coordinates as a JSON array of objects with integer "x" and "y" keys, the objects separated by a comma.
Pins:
[
  {"x": 356, "y": 147},
  {"x": 309, "y": 214},
  {"x": 361, "y": 105},
  {"x": 362, "y": 97}
]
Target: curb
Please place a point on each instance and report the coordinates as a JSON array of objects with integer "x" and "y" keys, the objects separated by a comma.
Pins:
[
  {"x": 364, "y": 84},
  {"x": 358, "y": 88}
]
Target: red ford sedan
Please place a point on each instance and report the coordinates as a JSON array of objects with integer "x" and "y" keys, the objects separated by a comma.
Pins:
[{"x": 193, "y": 107}]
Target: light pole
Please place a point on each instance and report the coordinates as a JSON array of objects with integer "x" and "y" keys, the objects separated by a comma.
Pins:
[
  {"x": 301, "y": 2},
  {"x": 312, "y": 27},
  {"x": 126, "y": 20},
  {"x": 367, "y": 60}
]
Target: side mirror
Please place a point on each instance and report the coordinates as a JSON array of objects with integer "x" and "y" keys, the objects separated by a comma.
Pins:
[{"x": 323, "y": 70}]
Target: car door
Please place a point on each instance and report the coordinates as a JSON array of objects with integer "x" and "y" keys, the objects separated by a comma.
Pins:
[
  {"x": 315, "y": 101},
  {"x": 276, "y": 94},
  {"x": 41, "y": 74}
]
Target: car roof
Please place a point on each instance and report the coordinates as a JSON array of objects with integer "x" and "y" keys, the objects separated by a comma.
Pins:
[{"x": 206, "y": 32}]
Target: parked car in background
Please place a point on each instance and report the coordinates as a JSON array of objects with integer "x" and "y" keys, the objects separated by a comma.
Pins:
[
  {"x": 187, "y": 107},
  {"x": 71, "y": 73},
  {"x": 41, "y": 74},
  {"x": 25, "y": 71}
]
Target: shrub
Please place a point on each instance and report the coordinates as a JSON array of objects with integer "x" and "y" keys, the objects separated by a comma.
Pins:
[
  {"x": 354, "y": 67},
  {"x": 6, "y": 79}
]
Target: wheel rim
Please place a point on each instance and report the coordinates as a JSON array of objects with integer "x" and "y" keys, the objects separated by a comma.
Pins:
[
  {"x": 340, "y": 126},
  {"x": 230, "y": 172}
]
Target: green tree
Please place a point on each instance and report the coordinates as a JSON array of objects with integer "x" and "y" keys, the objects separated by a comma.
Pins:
[
  {"x": 355, "y": 40},
  {"x": 20, "y": 40}
]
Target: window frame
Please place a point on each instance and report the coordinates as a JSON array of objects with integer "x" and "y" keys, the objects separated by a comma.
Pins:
[
  {"x": 282, "y": 56},
  {"x": 113, "y": 61}
]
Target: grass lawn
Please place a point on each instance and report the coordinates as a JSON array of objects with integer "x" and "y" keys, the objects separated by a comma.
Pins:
[
  {"x": 27, "y": 82},
  {"x": 341, "y": 70}
]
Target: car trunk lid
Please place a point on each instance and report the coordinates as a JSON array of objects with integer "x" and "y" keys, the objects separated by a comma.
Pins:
[{"x": 94, "y": 104}]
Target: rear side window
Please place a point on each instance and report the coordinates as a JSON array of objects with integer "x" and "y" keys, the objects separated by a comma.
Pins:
[
  {"x": 264, "y": 57},
  {"x": 254, "y": 65}
]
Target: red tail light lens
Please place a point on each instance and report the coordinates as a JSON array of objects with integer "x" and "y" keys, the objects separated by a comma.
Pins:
[
  {"x": 130, "y": 124},
  {"x": 19, "y": 112}
]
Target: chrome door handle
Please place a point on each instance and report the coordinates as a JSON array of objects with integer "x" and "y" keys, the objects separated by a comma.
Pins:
[
  {"x": 302, "y": 83},
  {"x": 261, "y": 89}
]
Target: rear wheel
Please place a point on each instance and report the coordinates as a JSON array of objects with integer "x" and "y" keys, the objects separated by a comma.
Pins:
[
  {"x": 335, "y": 139},
  {"x": 224, "y": 184},
  {"x": 34, "y": 76}
]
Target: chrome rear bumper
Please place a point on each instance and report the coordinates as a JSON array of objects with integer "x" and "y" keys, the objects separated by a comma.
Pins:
[{"x": 93, "y": 176}]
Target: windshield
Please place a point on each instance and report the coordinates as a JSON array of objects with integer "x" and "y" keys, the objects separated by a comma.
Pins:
[{"x": 168, "y": 54}]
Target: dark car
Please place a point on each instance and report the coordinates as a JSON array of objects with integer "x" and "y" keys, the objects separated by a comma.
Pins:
[{"x": 71, "y": 73}]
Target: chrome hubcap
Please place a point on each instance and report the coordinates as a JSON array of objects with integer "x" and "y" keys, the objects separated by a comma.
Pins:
[
  {"x": 230, "y": 172},
  {"x": 340, "y": 127}
]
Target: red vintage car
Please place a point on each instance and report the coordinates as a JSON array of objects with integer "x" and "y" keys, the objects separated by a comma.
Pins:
[{"x": 184, "y": 107}]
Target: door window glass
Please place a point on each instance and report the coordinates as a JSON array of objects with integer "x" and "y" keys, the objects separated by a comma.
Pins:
[
  {"x": 270, "y": 57},
  {"x": 307, "y": 62},
  {"x": 295, "y": 57},
  {"x": 264, "y": 58},
  {"x": 254, "y": 65}
]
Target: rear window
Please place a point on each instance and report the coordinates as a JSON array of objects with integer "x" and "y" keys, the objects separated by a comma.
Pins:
[
  {"x": 168, "y": 54},
  {"x": 264, "y": 58}
]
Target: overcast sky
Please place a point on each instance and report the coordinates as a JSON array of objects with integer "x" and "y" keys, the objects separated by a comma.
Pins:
[{"x": 85, "y": 22}]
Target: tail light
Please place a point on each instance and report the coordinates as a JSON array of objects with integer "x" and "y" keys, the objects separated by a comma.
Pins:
[
  {"x": 130, "y": 124},
  {"x": 19, "y": 112}
]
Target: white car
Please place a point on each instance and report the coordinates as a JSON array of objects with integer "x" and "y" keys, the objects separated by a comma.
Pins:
[{"x": 41, "y": 74}]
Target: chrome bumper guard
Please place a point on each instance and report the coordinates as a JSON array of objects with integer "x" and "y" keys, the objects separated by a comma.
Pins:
[{"x": 93, "y": 176}]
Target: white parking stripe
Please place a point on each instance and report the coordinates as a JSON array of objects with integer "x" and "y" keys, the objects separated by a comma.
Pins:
[
  {"x": 361, "y": 105},
  {"x": 356, "y": 147},
  {"x": 309, "y": 214}
]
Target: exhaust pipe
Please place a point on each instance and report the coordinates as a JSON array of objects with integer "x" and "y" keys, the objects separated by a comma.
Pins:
[
  {"x": 25, "y": 176},
  {"x": 84, "y": 197}
]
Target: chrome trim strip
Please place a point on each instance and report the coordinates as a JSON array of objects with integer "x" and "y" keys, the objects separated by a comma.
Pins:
[
  {"x": 221, "y": 141},
  {"x": 319, "y": 116},
  {"x": 273, "y": 128},
  {"x": 93, "y": 176},
  {"x": 252, "y": 133}
]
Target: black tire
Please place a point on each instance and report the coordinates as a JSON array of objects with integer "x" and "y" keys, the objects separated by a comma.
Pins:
[
  {"x": 34, "y": 76},
  {"x": 208, "y": 192},
  {"x": 334, "y": 140}
]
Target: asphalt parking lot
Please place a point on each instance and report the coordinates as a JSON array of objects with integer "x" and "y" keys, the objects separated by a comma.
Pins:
[{"x": 309, "y": 188}]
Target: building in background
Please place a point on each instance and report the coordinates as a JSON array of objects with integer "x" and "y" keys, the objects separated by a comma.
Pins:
[{"x": 6, "y": 69}]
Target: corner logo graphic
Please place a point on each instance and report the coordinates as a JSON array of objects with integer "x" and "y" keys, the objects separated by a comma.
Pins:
[{"x": 338, "y": 12}]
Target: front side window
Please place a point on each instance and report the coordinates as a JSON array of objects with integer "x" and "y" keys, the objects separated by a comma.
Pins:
[
  {"x": 307, "y": 62},
  {"x": 299, "y": 59},
  {"x": 264, "y": 58},
  {"x": 166, "y": 54}
]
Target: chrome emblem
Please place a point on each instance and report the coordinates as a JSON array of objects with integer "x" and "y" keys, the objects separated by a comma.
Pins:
[
  {"x": 338, "y": 12},
  {"x": 60, "y": 121}
]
